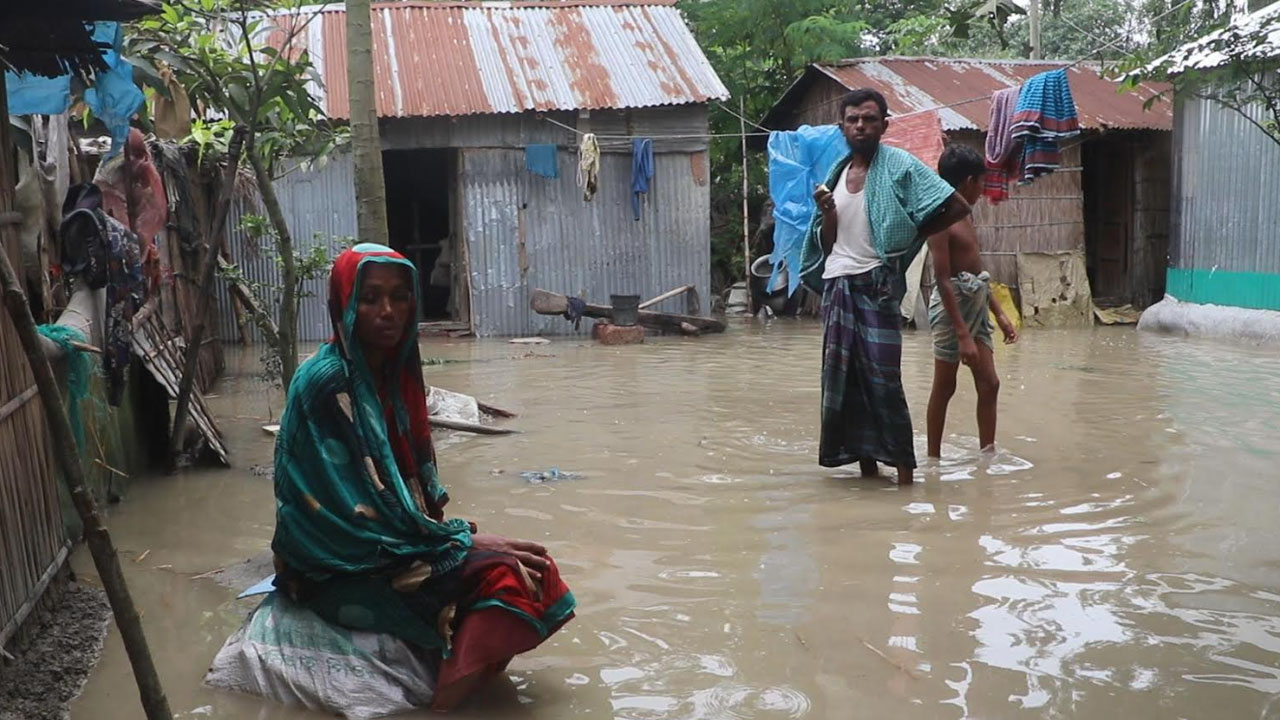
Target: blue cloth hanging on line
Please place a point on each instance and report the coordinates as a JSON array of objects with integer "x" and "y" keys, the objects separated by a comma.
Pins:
[
  {"x": 542, "y": 160},
  {"x": 113, "y": 97},
  {"x": 641, "y": 171}
]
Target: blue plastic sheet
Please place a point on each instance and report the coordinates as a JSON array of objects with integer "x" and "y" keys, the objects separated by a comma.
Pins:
[
  {"x": 799, "y": 160},
  {"x": 113, "y": 98},
  {"x": 35, "y": 95}
]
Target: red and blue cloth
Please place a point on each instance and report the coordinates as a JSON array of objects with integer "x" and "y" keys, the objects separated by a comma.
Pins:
[{"x": 1045, "y": 114}]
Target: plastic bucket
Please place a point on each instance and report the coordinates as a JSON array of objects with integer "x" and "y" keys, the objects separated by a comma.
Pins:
[{"x": 626, "y": 309}]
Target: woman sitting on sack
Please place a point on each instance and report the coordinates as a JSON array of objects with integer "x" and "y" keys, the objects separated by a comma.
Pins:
[{"x": 361, "y": 536}]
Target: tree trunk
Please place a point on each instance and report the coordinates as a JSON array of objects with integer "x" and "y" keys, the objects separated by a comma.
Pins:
[
  {"x": 105, "y": 559},
  {"x": 371, "y": 191},
  {"x": 287, "y": 327}
]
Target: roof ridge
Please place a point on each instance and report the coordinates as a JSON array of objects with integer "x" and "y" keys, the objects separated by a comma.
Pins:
[
  {"x": 509, "y": 4},
  {"x": 846, "y": 62}
]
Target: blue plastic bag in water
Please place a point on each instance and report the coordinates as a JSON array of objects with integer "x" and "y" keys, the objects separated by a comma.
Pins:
[{"x": 799, "y": 160}]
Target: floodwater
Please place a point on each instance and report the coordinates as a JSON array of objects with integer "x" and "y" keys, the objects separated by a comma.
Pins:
[{"x": 1116, "y": 559}]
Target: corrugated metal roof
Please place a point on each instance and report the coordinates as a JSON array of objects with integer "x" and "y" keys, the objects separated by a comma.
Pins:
[
  {"x": 451, "y": 59},
  {"x": 917, "y": 84},
  {"x": 1253, "y": 36}
]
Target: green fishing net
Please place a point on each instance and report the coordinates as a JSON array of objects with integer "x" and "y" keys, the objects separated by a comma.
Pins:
[{"x": 79, "y": 372}]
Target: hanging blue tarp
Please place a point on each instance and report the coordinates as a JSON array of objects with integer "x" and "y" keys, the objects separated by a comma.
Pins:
[
  {"x": 113, "y": 97},
  {"x": 799, "y": 160}
]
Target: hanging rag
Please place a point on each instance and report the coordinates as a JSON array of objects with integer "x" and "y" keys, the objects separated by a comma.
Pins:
[
  {"x": 575, "y": 311},
  {"x": 79, "y": 370},
  {"x": 172, "y": 109},
  {"x": 1045, "y": 114},
  {"x": 1001, "y": 146},
  {"x": 588, "y": 165},
  {"x": 147, "y": 193},
  {"x": 126, "y": 292},
  {"x": 641, "y": 171},
  {"x": 101, "y": 251},
  {"x": 542, "y": 160}
]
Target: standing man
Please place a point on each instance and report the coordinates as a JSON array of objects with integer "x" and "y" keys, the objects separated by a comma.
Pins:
[{"x": 875, "y": 211}]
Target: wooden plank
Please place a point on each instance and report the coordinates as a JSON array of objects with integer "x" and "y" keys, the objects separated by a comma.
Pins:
[
  {"x": 464, "y": 426},
  {"x": 549, "y": 303}
]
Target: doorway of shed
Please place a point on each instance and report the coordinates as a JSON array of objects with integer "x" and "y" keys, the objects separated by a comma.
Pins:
[{"x": 421, "y": 219}]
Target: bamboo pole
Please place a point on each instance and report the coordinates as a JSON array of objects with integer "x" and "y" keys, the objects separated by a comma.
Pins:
[
  {"x": 746, "y": 213},
  {"x": 666, "y": 296},
  {"x": 105, "y": 559},
  {"x": 213, "y": 244}
]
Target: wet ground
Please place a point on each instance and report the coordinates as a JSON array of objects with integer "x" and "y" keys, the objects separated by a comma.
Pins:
[{"x": 1116, "y": 559}]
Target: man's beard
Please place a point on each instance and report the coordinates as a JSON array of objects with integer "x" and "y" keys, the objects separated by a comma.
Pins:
[{"x": 865, "y": 148}]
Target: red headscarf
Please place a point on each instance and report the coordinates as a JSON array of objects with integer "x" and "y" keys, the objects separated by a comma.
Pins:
[{"x": 410, "y": 440}]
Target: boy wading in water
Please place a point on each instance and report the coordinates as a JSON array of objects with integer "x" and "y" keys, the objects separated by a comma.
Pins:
[{"x": 958, "y": 310}]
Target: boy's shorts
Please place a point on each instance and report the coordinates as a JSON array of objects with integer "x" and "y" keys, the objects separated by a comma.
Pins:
[{"x": 973, "y": 293}]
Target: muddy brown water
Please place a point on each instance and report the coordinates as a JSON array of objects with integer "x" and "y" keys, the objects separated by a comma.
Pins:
[{"x": 1116, "y": 559}]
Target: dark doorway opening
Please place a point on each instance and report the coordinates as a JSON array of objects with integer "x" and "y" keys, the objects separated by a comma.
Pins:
[
  {"x": 1108, "y": 214},
  {"x": 421, "y": 198}
]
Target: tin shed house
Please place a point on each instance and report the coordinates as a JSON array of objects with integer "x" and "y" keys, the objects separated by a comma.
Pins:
[{"x": 484, "y": 107}]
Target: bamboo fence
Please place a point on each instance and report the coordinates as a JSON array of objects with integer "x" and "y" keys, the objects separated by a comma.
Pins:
[{"x": 32, "y": 546}]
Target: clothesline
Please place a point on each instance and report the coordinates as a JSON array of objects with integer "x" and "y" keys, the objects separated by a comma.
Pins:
[{"x": 694, "y": 136}]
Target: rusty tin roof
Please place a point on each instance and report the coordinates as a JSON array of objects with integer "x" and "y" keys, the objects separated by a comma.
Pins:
[
  {"x": 472, "y": 58},
  {"x": 963, "y": 89}
]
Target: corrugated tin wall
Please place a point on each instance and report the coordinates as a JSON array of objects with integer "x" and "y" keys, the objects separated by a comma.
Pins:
[
  {"x": 321, "y": 208},
  {"x": 1226, "y": 209},
  {"x": 572, "y": 246}
]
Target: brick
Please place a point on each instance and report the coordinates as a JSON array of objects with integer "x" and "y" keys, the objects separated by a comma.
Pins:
[{"x": 610, "y": 334}]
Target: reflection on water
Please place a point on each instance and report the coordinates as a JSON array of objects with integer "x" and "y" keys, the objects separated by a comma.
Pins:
[{"x": 1113, "y": 558}]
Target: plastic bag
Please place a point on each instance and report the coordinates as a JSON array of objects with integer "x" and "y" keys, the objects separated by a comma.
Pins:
[{"x": 799, "y": 160}]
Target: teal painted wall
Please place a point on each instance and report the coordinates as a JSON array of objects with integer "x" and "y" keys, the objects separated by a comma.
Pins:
[{"x": 1260, "y": 291}]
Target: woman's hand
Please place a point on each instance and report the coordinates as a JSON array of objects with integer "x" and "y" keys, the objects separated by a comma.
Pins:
[{"x": 530, "y": 554}]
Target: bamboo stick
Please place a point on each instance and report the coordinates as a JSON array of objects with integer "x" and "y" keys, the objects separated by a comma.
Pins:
[
  {"x": 666, "y": 296},
  {"x": 105, "y": 559},
  {"x": 190, "y": 364},
  {"x": 33, "y": 596}
]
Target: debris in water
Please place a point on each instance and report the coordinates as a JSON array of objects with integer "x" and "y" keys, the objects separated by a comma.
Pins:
[
  {"x": 143, "y": 556},
  {"x": 530, "y": 341},
  {"x": 552, "y": 475},
  {"x": 428, "y": 362}
]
